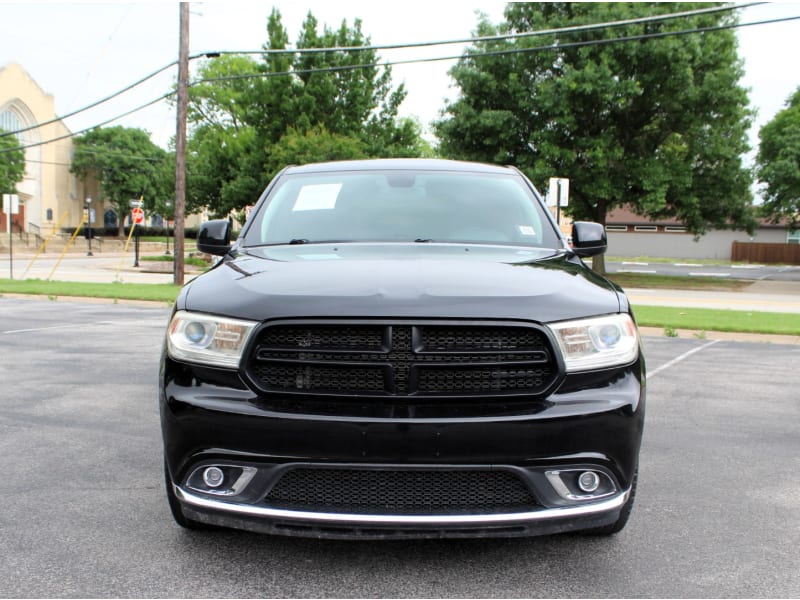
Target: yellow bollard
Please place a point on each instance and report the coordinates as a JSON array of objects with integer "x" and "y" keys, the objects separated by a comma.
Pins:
[
  {"x": 68, "y": 244},
  {"x": 44, "y": 243}
]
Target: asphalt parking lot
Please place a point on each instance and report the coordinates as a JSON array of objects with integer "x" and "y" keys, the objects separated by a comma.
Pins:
[{"x": 84, "y": 513}]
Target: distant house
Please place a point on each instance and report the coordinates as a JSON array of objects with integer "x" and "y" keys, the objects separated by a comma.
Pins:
[{"x": 632, "y": 235}]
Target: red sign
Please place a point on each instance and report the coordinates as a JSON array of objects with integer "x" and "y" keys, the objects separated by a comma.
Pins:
[{"x": 137, "y": 216}]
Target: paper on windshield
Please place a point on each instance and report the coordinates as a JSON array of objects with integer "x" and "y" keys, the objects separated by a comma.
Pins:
[{"x": 317, "y": 197}]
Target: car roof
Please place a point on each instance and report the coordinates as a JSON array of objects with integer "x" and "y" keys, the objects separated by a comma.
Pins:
[{"x": 404, "y": 164}]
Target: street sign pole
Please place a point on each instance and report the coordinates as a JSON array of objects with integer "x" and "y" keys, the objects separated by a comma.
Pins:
[
  {"x": 136, "y": 247},
  {"x": 10, "y": 245},
  {"x": 137, "y": 218},
  {"x": 10, "y": 205}
]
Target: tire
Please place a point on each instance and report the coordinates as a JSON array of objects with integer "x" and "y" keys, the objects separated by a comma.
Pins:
[
  {"x": 624, "y": 514},
  {"x": 176, "y": 508}
]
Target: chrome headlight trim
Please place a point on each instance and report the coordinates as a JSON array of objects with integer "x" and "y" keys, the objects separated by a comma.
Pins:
[
  {"x": 598, "y": 342},
  {"x": 207, "y": 339}
]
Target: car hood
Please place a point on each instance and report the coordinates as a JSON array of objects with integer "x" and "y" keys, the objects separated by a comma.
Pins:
[{"x": 417, "y": 284}]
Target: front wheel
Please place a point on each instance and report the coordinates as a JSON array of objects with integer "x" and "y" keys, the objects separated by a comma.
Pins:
[
  {"x": 624, "y": 514},
  {"x": 176, "y": 508}
]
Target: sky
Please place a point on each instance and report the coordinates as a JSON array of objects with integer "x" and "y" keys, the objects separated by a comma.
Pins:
[{"x": 82, "y": 52}]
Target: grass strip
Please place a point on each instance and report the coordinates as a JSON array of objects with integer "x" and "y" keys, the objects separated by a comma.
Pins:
[
  {"x": 154, "y": 292},
  {"x": 709, "y": 319},
  {"x": 701, "y": 319},
  {"x": 189, "y": 260},
  {"x": 676, "y": 282}
]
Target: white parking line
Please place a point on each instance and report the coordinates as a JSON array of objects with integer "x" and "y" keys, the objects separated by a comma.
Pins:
[
  {"x": 637, "y": 264},
  {"x": 687, "y": 265},
  {"x": 67, "y": 326},
  {"x": 633, "y": 271},
  {"x": 678, "y": 359},
  {"x": 710, "y": 274}
]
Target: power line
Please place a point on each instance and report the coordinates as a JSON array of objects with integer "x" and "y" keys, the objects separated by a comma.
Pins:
[
  {"x": 107, "y": 98},
  {"x": 489, "y": 38},
  {"x": 93, "y": 104},
  {"x": 551, "y": 47},
  {"x": 560, "y": 30},
  {"x": 95, "y": 126}
]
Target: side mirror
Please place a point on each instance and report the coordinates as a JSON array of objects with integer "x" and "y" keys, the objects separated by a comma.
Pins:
[
  {"x": 214, "y": 237},
  {"x": 588, "y": 239}
]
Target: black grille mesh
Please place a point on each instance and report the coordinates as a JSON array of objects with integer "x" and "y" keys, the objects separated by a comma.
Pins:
[
  {"x": 419, "y": 359},
  {"x": 437, "y": 338},
  {"x": 324, "y": 336},
  {"x": 497, "y": 379},
  {"x": 400, "y": 491},
  {"x": 321, "y": 378}
]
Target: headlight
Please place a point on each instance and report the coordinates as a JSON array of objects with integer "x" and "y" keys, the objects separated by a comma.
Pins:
[
  {"x": 206, "y": 339},
  {"x": 596, "y": 343}
]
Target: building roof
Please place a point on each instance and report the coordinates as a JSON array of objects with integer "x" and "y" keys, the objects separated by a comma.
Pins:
[{"x": 625, "y": 216}]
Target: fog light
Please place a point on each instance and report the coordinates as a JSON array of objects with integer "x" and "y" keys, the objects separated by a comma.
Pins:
[
  {"x": 213, "y": 477},
  {"x": 588, "y": 481}
]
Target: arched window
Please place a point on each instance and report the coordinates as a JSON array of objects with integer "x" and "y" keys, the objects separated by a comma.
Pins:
[{"x": 12, "y": 120}]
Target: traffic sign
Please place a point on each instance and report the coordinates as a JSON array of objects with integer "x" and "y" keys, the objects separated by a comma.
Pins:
[
  {"x": 11, "y": 204},
  {"x": 559, "y": 192},
  {"x": 137, "y": 215}
]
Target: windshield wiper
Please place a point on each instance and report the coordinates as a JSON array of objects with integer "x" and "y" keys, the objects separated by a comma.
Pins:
[
  {"x": 422, "y": 240},
  {"x": 299, "y": 241}
]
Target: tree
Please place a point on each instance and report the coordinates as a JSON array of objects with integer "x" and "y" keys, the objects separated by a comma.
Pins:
[
  {"x": 251, "y": 117},
  {"x": 657, "y": 124},
  {"x": 314, "y": 145},
  {"x": 778, "y": 163},
  {"x": 12, "y": 163},
  {"x": 127, "y": 165}
]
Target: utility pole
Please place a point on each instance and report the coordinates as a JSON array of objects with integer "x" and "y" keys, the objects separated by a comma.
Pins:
[{"x": 180, "y": 143}]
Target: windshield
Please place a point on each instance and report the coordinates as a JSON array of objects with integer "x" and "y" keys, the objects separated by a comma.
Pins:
[{"x": 402, "y": 206}]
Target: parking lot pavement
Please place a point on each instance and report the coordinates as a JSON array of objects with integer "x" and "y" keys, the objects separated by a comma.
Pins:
[{"x": 84, "y": 512}]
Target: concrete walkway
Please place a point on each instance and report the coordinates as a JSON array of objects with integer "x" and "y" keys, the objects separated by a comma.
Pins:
[{"x": 761, "y": 296}]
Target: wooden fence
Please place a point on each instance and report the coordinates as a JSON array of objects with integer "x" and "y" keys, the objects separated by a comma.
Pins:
[{"x": 757, "y": 252}]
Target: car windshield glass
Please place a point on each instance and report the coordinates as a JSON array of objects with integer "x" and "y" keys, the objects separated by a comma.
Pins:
[{"x": 400, "y": 206}]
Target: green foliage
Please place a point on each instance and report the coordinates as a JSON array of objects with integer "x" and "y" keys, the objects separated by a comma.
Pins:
[
  {"x": 708, "y": 319},
  {"x": 251, "y": 117},
  {"x": 314, "y": 145},
  {"x": 127, "y": 164},
  {"x": 12, "y": 164},
  {"x": 156, "y": 292},
  {"x": 778, "y": 163},
  {"x": 658, "y": 124}
]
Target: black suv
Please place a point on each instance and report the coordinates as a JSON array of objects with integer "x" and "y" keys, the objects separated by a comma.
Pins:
[{"x": 402, "y": 348}]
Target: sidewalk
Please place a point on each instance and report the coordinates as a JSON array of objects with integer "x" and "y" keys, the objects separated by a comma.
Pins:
[
  {"x": 760, "y": 296},
  {"x": 107, "y": 267}
]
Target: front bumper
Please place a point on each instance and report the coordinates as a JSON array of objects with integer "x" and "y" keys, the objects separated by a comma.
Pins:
[
  {"x": 594, "y": 422},
  {"x": 376, "y": 526}
]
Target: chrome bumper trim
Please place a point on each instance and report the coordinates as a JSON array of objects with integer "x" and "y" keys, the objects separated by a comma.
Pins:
[{"x": 371, "y": 519}]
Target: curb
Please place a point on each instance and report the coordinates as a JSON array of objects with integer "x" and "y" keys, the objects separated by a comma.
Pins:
[{"x": 732, "y": 336}]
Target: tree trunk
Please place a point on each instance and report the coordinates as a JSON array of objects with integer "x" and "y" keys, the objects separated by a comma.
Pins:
[{"x": 599, "y": 261}]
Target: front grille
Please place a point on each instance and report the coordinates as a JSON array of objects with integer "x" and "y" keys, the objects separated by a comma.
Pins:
[
  {"x": 403, "y": 359},
  {"x": 390, "y": 492}
]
